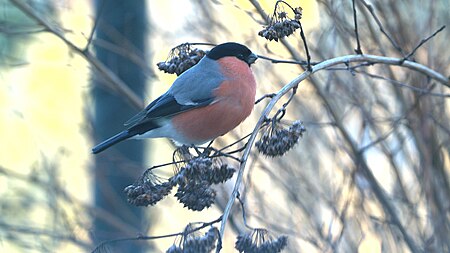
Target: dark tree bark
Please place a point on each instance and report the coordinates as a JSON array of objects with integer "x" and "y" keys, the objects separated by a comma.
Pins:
[{"x": 124, "y": 25}]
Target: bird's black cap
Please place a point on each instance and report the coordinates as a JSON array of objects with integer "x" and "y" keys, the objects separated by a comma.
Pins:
[{"x": 232, "y": 49}]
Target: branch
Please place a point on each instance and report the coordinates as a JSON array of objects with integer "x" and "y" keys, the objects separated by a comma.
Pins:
[
  {"x": 112, "y": 80},
  {"x": 400, "y": 84},
  {"x": 377, "y": 20},
  {"x": 424, "y": 41},
  {"x": 39, "y": 233},
  {"x": 294, "y": 83},
  {"x": 358, "y": 45},
  {"x": 272, "y": 60},
  {"x": 99, "y": 13},
  {"x": 374, "y": 59},
  {"x": 308, "y": 56}
]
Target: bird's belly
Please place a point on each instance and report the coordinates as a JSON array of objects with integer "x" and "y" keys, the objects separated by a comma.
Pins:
[
  {"x": 206, "y": 123},
  {"x": 167, "y": 130}
]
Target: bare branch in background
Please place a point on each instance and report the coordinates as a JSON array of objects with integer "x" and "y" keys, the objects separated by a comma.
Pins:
[
  {"x": 355, "y": 18},
  {"x": 423, "y": 42},
  {"x": 380, "y": 25},
  {"x": 111, "y": 79}
]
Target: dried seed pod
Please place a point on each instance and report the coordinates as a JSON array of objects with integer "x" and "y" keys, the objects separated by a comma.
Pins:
[
  {"x": 205, "y": 243},
  {"x": 147, "y": 190},
  {"x": 174, "y": 249},
  {"x": 280, "y": 24},
  {"x": 192, "y": 242},
  {"x": 181, "y": 58},
  {"x": 298, "y": 13},
  {"x": 276, "y": 141},
  {"x": 197, "y": 196},
  {"x": 259, "y": 241},
  {"x": 195, "y": 178}
]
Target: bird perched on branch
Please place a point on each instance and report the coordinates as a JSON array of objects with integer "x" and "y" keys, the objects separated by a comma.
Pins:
[{"x": 205, "y": 102}]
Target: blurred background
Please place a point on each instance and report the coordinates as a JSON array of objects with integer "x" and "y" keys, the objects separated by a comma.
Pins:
[{"x": 371, "y": 174}]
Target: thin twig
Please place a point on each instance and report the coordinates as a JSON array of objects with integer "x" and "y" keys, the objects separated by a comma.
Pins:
[
  {"x": 96, "y": 21},
  {"x": 244, "y": 216},
  {"x": 271, "y": 95},
  {"x": 272, "y": 60},
  {"x": 302, "y": 34},
  {"x": 423, "y": 42},
  {"x": 282, "y": 111},
  {"x": 234, "y": 143},
  {"x": 266, "y": 18},
  {"x": 198, "y": 44},
  {"x": 20, "y": 29},
  {"x": 39, "y": 233},
  {"x": 276, "y": 7},
  {"x": 400, "y": 84},
  {"x": 308, "y": 56},
  {"x": 377, "y": 20},
  {"x": 354, "y": 70},
  {"x": 377, "y": 141},
  {"x": 218, "y": 153},
  {"x": 162, "y": 165},
  {"x": 358, "y": 45}
]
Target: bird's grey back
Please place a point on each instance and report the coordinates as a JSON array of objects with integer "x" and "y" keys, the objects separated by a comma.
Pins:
[{"x": 198, "y": 82}]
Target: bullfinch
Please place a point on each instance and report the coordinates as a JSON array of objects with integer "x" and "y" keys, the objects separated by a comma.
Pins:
[{"x": 205, "y": 102}]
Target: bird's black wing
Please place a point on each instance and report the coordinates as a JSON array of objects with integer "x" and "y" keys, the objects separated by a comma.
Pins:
[
  {"x": 164, "y": 106},
  {"x": 141, "y": 115}
]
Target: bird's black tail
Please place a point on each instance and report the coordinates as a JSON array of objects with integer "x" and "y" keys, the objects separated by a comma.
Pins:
[{"x": 111, "y": 141}]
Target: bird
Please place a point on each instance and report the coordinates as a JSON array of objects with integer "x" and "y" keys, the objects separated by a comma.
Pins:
[{"x": 204, "y": 102}]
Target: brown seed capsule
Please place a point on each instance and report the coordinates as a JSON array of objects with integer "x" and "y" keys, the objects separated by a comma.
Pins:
[
  {"x": 181, "y": 58},
  {"x": 259, "y": 240},
  {"x": 276, "y": 141}
]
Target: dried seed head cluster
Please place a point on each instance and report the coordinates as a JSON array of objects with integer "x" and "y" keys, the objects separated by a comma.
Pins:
[
  {"x": 148, "y": 190},
  {"x": 181, "y": 58},
  {"x": 259, "y": 241},
  {"x": 197, "y": 244},
  {"x": 180, "y": 155},
  {"x": 279, "y": 29},
  {"x": 196, "y": 196},
  {"x": 205, "y": 169},
  {"x": 277, "y": 140},
  {"x": 298, "y": 13},
  {"x": 194, "y": 182},
  {"x": 281, "y": 25}
]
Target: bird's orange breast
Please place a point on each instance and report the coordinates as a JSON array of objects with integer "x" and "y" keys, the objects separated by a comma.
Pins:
[{"x": 234, "y": 102}]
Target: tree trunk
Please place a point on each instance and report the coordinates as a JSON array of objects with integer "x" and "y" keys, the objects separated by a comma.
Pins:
[{"x": 124, "y": 25}]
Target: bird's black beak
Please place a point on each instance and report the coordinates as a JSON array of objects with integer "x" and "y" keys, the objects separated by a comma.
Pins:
[{"x": 251, "y": 58}]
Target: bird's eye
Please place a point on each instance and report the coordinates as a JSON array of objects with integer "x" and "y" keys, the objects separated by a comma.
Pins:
[{"x": 240, "y": 56}]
